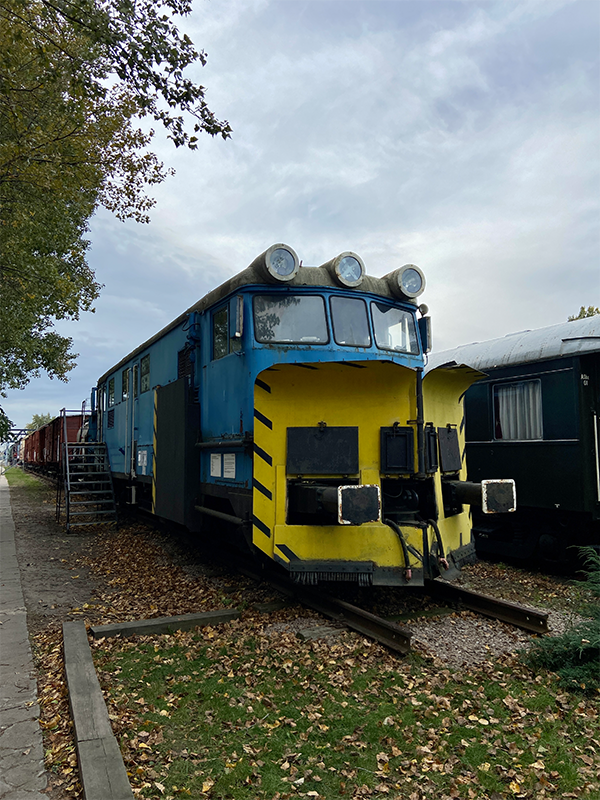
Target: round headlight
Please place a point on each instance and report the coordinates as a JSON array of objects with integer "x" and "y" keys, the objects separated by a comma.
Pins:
[
  {"x": 347, "y": 269},
  {"x": 407, "y": 281},
  {"x": 278, "y": 263},
  {"x": 282, "y": 264}
]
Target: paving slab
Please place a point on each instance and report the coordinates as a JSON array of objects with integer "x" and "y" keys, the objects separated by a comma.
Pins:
[{"x": 22, "y": 773}]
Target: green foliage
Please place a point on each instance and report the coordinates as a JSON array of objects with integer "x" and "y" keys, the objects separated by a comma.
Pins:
[
  {"x": 575, "y": 656},
  {"x": 74, "y": 75},
  {"x": 38, "y": 420},
  {"x": 584, "y": 313}
]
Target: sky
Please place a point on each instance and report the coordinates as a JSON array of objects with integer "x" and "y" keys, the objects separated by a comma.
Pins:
[{"x": 459, "y": 135}]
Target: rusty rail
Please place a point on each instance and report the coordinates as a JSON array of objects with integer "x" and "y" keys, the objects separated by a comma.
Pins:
[
  {"x": 382, "y": 630},
  {"x": 521, "y": 616}
]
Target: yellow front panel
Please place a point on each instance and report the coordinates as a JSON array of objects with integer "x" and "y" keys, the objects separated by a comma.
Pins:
[
  {"x": 443, "y": 390},
  {"x": 370, "y": 396}
]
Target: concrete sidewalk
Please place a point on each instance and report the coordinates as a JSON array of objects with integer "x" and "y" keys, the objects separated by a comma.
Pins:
[{"x": 22, "y": 774}]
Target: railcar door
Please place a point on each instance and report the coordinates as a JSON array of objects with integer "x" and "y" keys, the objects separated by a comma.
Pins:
[
  {"x": 130, "y": 377},
  {"x": 132, "y": 433}
]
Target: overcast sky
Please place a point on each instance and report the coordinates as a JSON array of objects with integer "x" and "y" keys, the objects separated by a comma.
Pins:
[{"x": 459, "y": 136}]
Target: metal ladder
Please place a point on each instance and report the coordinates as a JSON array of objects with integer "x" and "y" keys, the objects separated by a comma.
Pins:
[{"x": 89, "y": 497}]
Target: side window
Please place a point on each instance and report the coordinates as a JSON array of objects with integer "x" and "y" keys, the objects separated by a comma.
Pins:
[
  {"x": 226, "y": 329},
  {"x": 518, "y": 410},
  {"x": 136, "y": 379},
  {"x": 111, "y": 392},
  {"x": 220, "y": 333},
  {"x": 125, "y": 384},
  {"x": 145, "y": 374}
]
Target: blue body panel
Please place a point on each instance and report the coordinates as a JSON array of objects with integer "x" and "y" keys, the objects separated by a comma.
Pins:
[{"x": 225, "y": 386}]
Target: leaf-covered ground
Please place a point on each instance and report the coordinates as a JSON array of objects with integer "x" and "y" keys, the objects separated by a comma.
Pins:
[
  {"x": 231, "y": 712},
  {"x": 240, "y": 711}
]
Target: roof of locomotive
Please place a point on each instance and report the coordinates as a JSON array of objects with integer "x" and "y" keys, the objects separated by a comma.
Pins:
[
  {"x": 318, "y": 277},
  {"x": 556, "y": 341}
]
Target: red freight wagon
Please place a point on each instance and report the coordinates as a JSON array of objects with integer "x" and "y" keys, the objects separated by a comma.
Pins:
[{"x": 42, "y": 447}]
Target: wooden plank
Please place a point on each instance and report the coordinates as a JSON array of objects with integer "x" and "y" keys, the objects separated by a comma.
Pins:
[
  {"x": 103, "y": 774},
  {"x": 88, "y": 708},
  {"x": 150, "y": 627},
  {"x": 102, "y": 771}
]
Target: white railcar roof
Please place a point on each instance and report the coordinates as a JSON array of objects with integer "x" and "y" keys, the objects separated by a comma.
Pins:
[{"x": 555, "y": 341}]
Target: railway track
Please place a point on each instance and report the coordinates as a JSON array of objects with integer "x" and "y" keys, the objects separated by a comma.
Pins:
[{"x": 393, "y": 635}]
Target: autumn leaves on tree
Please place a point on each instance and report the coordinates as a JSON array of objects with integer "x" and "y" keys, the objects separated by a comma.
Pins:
[{"x": 75, "y": 77}]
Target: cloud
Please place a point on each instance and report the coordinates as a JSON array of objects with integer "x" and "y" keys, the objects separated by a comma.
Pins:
[{"x": 461, "y": 136}]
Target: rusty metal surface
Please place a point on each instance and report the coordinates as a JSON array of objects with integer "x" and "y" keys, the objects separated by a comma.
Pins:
[
  {"x": 387, "y": 633},
  {"x": 521, "y": 616}
]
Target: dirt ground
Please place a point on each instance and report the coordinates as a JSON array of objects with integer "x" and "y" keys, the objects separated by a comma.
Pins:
[{"x": 53, "y": 583}]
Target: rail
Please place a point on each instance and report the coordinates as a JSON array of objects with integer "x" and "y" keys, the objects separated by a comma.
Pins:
[{"x": 521, "y": 616}]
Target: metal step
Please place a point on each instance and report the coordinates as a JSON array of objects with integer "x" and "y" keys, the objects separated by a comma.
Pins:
[
  {"x": 86, "y": 464},
  {"x": 91, "y": 502},
  {"x": 91, "y": 491},
  {"x": 88, "y": 513}
]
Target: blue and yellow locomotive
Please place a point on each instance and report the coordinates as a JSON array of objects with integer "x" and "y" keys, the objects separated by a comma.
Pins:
[{"x": 290, "y": 405}]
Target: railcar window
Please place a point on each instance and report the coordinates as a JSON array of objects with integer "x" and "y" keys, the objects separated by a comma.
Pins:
[
  {"x": 350, "y": 321},
  {"x": 125, "y": 384},
  {"x": 518, "y": 410},
  {"x": 297, "y": 319},
  {"x": 394, "y": 328},
  {"x": 220, "y": 333},
  {"x": 145, "y": 374},
  {"x": 111, "y": 392},
  {"x": 223, "y": 342},
  {"x": 136, "y": 379}
]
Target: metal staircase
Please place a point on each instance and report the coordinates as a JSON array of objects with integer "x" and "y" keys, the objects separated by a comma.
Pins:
[{"x": 87, "y": 485}]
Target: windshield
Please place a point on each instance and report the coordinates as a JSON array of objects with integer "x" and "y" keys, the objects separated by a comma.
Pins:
[
  {"x": 350, "y": 322},
  {"x": 290, "y": 318},
  {"x": 394, "y": 329}
]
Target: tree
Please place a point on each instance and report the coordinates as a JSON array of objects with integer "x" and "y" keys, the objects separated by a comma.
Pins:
[
  {"x": 75, "y": 75},
  {"x": 38, "y": 420},
  {"x": 584, "y": 313}
]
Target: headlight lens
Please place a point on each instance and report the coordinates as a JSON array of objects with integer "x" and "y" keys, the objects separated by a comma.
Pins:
[
  {"x": 412, "y": 282},
  {"x": 347, "y": 269},
  {"x": 278, "y": 263},
  {"x": 407, "y": 282},
  {"x": 282, "y": 263},
  {"x": 350, "y": 271}
]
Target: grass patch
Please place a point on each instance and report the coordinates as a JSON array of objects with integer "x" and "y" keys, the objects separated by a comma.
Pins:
[
  {"x": 18, "y": 478},
  {"x": 234, "y": 713}
]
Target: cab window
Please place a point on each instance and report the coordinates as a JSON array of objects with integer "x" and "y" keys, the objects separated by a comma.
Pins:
[
  {"x": 298, "y": 319},
  {"x": 145, "y": 374},
  {"x": 350, "y": 321},
  {"x": 394, "y": 329},
  {"x": 125, "y": 384},
  {"x": 111, "y": 392},
  {"x": 225, "y": 341}
]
